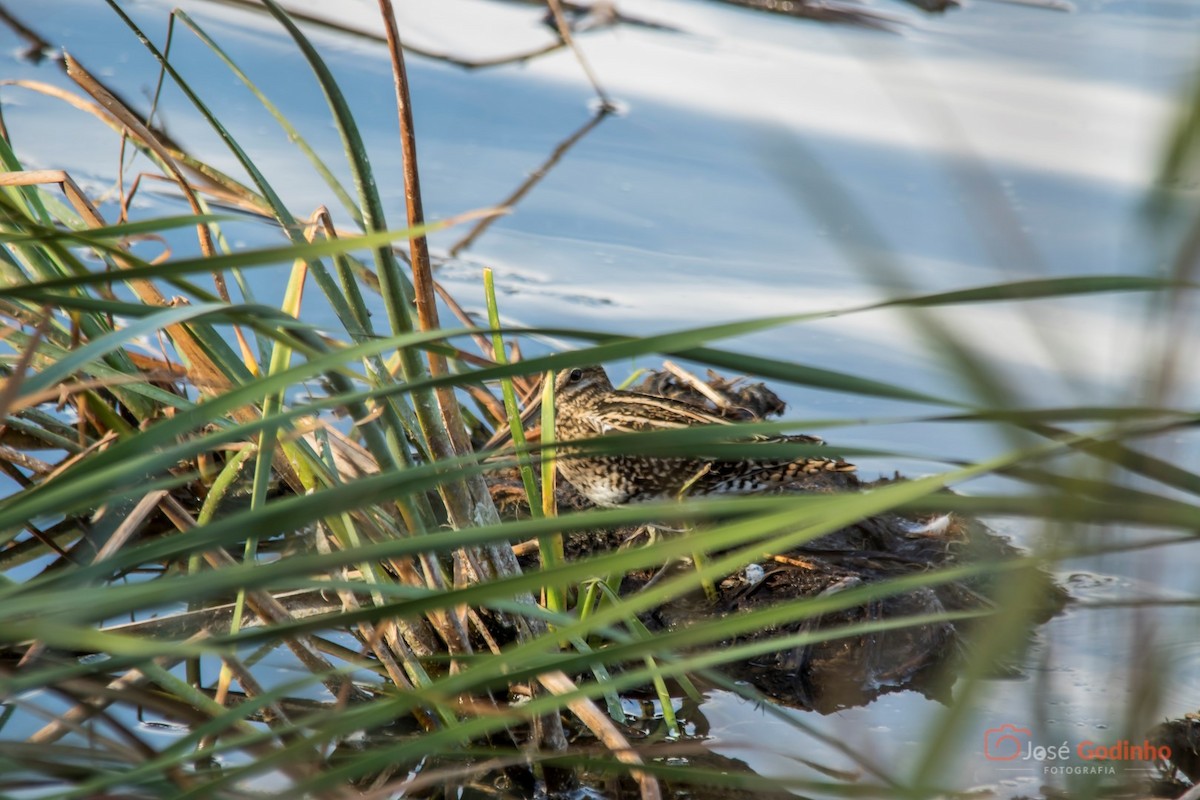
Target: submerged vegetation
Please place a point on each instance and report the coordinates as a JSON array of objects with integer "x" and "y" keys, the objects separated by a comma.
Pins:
[{"x": 202, "y": 487}]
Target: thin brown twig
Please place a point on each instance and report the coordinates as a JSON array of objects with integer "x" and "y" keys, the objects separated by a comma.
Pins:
[
  {"x": 91, "y": 706},
  {"x": 40, "y": 536},
  {"x": 470, "y": 496},
  {"x": 37, "y": 48},
  {"x": 533, "y": 180},
  {"x": 12, "y": 385},
  {"x": 424, "y": 52},
  {"x": 264, "y": 605},
  {"x": 481, "y": 341},
  {"x": 63, "y": 391},
  {"x": 466, "y": 498},
  {"x": 126, "y": 746},
  {"x": 162, "y": 702},
  {"x": 564, "y": 30}
]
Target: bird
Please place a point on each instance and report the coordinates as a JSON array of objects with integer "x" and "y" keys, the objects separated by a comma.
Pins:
[{"x": 588, "y": 406}]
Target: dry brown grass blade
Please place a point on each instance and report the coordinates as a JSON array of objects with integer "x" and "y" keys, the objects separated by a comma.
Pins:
[
  {"x": 65, "y": 391},
  {"x": 152, "y": 365},
  {"x": 210, "y": 182},
  {"x": 131, "y": 524},
  {"x": 204, "y": 374},
  {"x": 350, "y": 459},
  {"x": 216, "y": 191},
  {"x": 74, "y": 195},
  {"x": 135, "y": 127},
  {"x": 104, "y": 441},
  {"x": 488, "y": 400},
  {"x": 557, "y": 683}
]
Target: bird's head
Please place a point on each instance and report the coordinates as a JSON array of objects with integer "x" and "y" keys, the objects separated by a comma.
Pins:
[{"x": 573, "y": 384}]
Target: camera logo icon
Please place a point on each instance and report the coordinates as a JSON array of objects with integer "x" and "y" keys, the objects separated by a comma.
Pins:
[{"x": 1004, "y": 743}]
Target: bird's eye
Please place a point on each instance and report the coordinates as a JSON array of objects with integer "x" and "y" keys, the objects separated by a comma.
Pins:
[{"x": 576, "y": 374}]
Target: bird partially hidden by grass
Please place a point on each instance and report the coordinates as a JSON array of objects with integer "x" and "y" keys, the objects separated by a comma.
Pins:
[{"x": 587, "y": 406}]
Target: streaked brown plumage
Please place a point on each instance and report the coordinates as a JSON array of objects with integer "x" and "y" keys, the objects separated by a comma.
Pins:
[{"x": 587, "y": 406}]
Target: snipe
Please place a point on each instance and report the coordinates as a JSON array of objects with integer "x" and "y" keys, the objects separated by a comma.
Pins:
[{"x": 587, "y": 406}]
